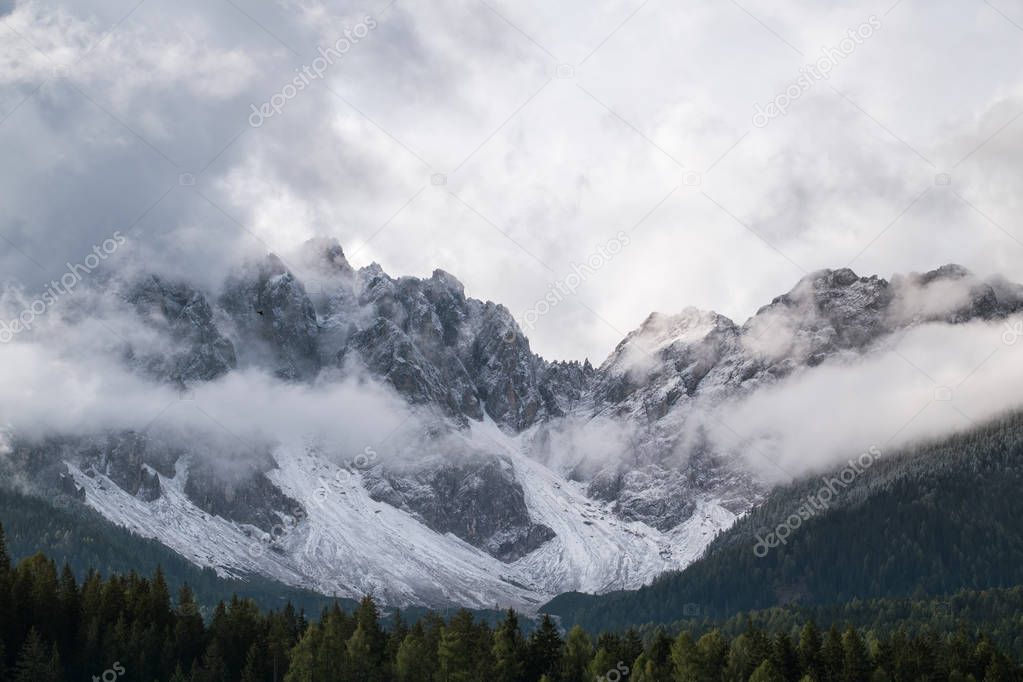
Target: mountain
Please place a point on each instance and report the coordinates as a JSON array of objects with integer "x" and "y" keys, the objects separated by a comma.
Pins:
[
  {"x": 85, "y": 541},
  {"x": 506, "y": 478},
  {"x": 926, "y": 522}
]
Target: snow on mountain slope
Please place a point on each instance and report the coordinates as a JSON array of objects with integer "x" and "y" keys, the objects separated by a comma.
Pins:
[
  {"x": 523, "y": 478},
  {"x": 342, "y": 542}
]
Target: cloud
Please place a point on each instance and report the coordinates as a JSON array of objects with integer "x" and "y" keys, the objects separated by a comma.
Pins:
[
  {"x": 69, "y": 376},
  {"x": 581, "y": 447},
  {"x": 106, "y": 110},
  {"x": 935, "y": 380}
]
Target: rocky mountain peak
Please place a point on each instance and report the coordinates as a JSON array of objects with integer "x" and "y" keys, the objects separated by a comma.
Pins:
[
  {"x": 448, "y": 281},
  {"x": 274, "y": 318},
  {"x": 195, "y": 349},
  {"x": 950, "y": 271},
  {"x": 688, "y": 326},
  {"x": 272, "y": 266},
  {"x": 325, "y": 256}
]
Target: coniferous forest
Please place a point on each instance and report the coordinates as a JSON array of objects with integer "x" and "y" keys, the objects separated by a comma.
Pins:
[{"x": 55, "y": 628}]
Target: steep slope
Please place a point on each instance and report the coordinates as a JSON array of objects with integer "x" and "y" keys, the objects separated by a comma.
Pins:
[
  {"x": 516, "y": 478},
  {"x": 341, "y": 541},
  {"x": 84, "y": 540},
  {"x": 929, "y": 521}
]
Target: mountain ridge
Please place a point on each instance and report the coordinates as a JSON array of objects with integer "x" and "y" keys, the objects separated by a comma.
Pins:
[{"x": 510, "y": 458}]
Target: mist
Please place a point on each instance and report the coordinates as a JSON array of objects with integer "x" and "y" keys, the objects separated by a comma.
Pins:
[
  {"x": 70, "y": 374},
  {"x": 935, "y": 380}
]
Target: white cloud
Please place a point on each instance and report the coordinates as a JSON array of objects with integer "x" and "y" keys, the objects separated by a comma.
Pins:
[
  {"x": 550, "y": 170},
  {"x": 936, "y": 380}
]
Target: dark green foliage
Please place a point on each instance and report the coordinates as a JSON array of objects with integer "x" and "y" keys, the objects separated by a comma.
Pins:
[
  {"x": 544, "y": 651},
  {"x": 56, "y": 629},
  {"x": 509, "y": 650}
]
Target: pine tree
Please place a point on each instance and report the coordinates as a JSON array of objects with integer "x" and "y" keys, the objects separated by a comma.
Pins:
[
  {"x": 282, "y": 636},
  {"x": 833, "y": 656},
  {"x": 658, "y": 664},
  {"x": 189, "y": 628},
  {"x": 483, "y": 647},
  {"x": 603, "y": 663},
  {"x": 544, "y": 650},
  {"x": 632, "y": 647},
  {"x": 255, "y": 665},
  {"x": 856, "y": 661},
  {"x": 455, "y": 656},
  {"x": 809, "y": 651},
  {"x": 784, "y": 657},
  {"x": 643, "y": 670},
  {"x": 5, "y": 558},
  {"x": 368, "y": 616},
  {"x": 399, "y": 631},
  {"x": 578, "y": 652},
  {"x": 336, "y": 639},
  {"x": 413, "y": 662},
  {"x": 998, "y": 671},
  {"x": 69, "y": 608},
  {"x": 34, "y": 665},
  {"x": 213, "y": 668},
  {"x": 741, "y": 661},
  {"x": 509, "y": 650},
  {"x": 303, "y": 657},
  {"x": 686, "y": 659},
  {"x": 159, "y": 600},
  {"x": 55, "y": 666},
  {"x": 713, "y": 648},
  {"x": 766, "y": 672},
  {"x": 361, "y": 665},
  {"x": 760, "y": 645}
]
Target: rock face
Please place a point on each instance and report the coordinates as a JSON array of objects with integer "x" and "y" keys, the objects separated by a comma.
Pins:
[
  {"x": 830, "y": 312},
  {"x": 621, "y": 433},
  {"x": 247, "y": 497},
  {"x": 135, "y": 463},
  {"x": 274, "y": 319},
  {"x": 476, "y": 499},
  {"x": 435, "y": 346},
  {"x": 197, "y": 350}
]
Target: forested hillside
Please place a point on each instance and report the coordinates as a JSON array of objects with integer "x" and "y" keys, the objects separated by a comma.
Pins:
[
  {"x": 929, "y": 521},
  {"x": 55, "y": 629}
]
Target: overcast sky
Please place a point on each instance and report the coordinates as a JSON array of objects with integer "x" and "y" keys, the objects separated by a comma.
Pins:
[{"x": 507, "y": 142}]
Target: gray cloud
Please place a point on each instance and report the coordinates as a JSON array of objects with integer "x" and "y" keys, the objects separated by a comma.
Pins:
[{"x": 104, "y": 110}]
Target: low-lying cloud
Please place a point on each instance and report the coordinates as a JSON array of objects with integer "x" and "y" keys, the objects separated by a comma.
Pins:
[
  {"x": 935, "y": 380},
  {"x": 69, "y": 376}
]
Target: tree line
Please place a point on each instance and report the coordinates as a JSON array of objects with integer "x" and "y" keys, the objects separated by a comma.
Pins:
[{"x": 55, "y": 628}]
